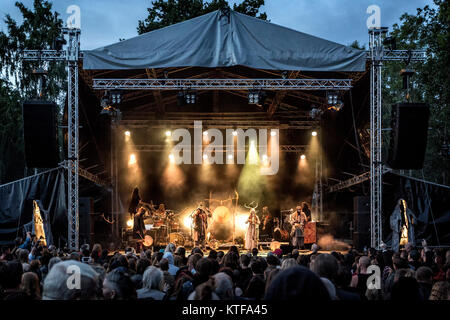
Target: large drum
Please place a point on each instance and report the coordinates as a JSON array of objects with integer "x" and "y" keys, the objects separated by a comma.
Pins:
[
  {"x": 280, "y": 235},
  {"x": 287, "y": 226},
  {"x": 176, "y": 238}
]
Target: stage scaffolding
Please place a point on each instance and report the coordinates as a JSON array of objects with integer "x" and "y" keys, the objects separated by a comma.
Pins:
[{"x": 72, "y": 54}]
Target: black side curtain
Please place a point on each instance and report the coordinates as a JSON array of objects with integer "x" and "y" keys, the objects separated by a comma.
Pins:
[{"x": 16, "y": 206}]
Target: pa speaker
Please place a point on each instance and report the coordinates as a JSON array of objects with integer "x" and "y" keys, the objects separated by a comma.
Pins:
[
  {"x": 361, "y": 222},
  {"x": 40, "y": 134},
  {"x": 409, "y": 134}
]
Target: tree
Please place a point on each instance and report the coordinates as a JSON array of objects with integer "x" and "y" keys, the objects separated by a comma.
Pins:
[
  {"x": 428, "y": 29},
  {"x": 38, "y": 29},
  {"x": 164, "y": 13}
]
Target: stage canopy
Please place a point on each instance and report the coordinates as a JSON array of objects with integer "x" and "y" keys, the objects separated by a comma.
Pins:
[{"x": 219, "y": 39}]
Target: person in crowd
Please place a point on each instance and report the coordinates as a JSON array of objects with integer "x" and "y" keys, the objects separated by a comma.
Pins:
[
  {"x": 30, "y": 286},
  {"x": 117, "y": 285},
  {"x": 88, "y": 287},
  {"x": 23, "y": 258},
  {"x": 223, "y": 286},
  {"x": 288, "y": 263},
  {"x": 172, "y": 268},
  {"x": 440, "y": 291},
  {"x": 424, "y": 277},
  {"x": 245, "y": 273},
  {"x": 297, "y": 284},
  {"x": 10, "y": 280},
  {"x": 359, "y": 279},
  {"x": 406, "y": 289},
  {"x": 256, "y": 285},
  {"x": 152, "y": 285},
  {"x": 272, "y": 263},
  {"x": 141, "y": 266}
]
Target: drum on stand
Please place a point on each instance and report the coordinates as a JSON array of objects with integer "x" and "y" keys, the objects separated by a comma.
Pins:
[
  {"x": 148, "y": 239},
  {"x": 287, "y": 226},
  {"x": 280, "y": 235},
  {"x": 176, "y": 238}
]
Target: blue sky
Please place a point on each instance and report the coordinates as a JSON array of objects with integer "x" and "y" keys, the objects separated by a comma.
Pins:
[{"x": 106, "y": 21}]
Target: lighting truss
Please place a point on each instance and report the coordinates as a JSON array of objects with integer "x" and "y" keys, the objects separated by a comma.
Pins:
[
  {"x": 353, "y": 181},
  {"x": 400, "y": 55},
  {"x": 298, "y": 149},
  {"x": 225, "y": 84},
  {"x": 220, "y": 124}
]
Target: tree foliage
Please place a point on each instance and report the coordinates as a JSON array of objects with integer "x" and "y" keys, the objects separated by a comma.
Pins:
[
  {"x": 164, "y": 13},
  {"x": 428, "y": 29},
  {"x": 37, "y": 30}
]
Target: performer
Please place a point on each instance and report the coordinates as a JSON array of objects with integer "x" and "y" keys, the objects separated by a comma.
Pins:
[
  {"x": 200, "y": 222},
  {"x": 306, "y": 210},
  {"x": 402, "y": 223},
  {"x": 134, "y": 202},
  {"x": 268, "y": 222},
  {"x": 252, "y": 235},
  {"x": 299, "y": 220}
]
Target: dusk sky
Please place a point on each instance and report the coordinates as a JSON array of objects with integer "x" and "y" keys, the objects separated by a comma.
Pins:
[{"x": 106, "y": 21}]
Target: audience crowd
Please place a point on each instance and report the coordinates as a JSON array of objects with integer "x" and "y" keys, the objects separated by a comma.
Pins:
[{"x": 29, "y": 271}]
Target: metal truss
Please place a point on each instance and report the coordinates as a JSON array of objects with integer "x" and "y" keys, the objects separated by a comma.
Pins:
[
  {"x": 377, "y": 54},
  {"x": 353, "y": 181},
  {"x": 400, "y": 55},
  {"x": 89, "y": 176},
  {"x": 71, "y": 55},
  {"x": 225, "y": 84},
  {"x": 298, "y": 149},
  {"x": 73, "y": 50},
  {"x": 219, "y": 124}
]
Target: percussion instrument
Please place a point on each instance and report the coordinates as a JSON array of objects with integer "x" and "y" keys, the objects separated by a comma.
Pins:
[
  {"x": 287, "y": 226},
  {"x": 176, "y": 238},
  {"x": 280, "y": 235},
  {"x": 148, "y": 240}
]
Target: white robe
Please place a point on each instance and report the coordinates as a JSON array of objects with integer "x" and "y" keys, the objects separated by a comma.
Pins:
[{"x": 251, "y": 236}]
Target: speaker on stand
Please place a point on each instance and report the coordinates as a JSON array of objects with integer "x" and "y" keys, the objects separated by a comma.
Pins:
[{"x": 40, "y": 134}]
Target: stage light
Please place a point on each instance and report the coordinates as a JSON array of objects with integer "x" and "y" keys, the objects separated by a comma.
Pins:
[
  {"x": 205, "y": 157},
  {"x": 58, "y": 43},
  {"x": 230, "y": 157},
  {"x": 127, "y": 133},
  {"x": 130, "y": 223},
  {"x": 205, "y": 133},
  {"x": 168, "y": 133},
  {"x": 332, "y": 98},
  {"x": 187, "y": 221},
  {"x": 314, "y": 133},
  {"x": 264, "y": 157},
  {"x": 115, "y": 97},
  {"x": 303, "y": 157},
  {"x": 171, "y": 158},
  {"x": 191, "y": 97},
  {"x": 257, "y": 97},
  {"x": 132, "y": 159},
  {"x": 315, "y": 113},
  {"x": 241, "y": 220},
  {"x": 234, "y": 133},
  {"x": 273, "y": 133}
]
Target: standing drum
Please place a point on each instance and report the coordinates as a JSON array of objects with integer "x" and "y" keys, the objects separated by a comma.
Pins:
[{"x": 176, "y": 238}]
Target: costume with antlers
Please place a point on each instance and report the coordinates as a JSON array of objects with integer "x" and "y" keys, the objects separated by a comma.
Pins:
[
  {"x": 200, "y": 222},
  {"x": 252, "y": 234}
]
